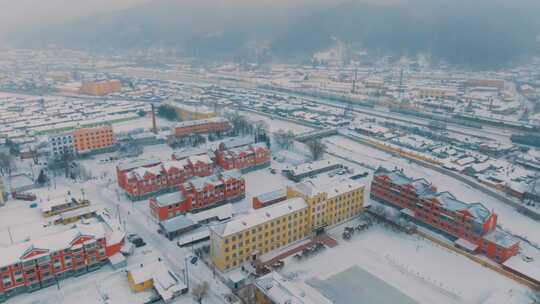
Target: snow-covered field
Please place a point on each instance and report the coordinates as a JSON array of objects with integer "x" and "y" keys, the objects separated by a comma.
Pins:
[
  {"x": 418, "y": 268},
  {"x": 277, "y": 124}
]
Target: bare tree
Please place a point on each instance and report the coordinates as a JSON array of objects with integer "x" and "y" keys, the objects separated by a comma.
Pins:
[
  {"x": 199, "y": 291},
  {"x": 240, "y": 124},
  {"x": 7, "y": 163},
  {"x": 317, "y": 148},
  {"x": 284, "y": 140}
]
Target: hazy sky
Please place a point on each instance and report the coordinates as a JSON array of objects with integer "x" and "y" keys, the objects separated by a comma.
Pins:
[
  {"x": 24, "y": 14},
  {"x": 16, "y": 14}
]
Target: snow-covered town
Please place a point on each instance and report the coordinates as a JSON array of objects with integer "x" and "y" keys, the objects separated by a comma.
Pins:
[{"x": 351, "y": 177}]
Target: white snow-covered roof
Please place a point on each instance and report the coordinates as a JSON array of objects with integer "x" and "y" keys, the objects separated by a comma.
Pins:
[
  {"x": 466, "y": 244},
  {"x": 332, "y": 188},
  {"x": 313, "y": 166},
  {"x": 222, "y": 212},
  {"x": 283, "y": 291},
  {"x": 142, "y": 171},
  {"x": 204, "y": 158},
  {"x": 260, "y": 216},
  {"x": 178, "y": 164},
  {"x": 165, "y": 282},
  {"x": 49, "y": 243},
  {"x": 170, "y": 199},
  {"x": 138, "y": 163},
  {"x": 192, "y": 123}
]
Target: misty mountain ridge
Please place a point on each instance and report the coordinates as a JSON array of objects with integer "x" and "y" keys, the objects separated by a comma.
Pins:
[{"x": 481, "y": 34}]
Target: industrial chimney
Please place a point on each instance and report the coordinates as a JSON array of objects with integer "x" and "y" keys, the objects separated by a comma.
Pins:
[{"x": 154, "y": 125}]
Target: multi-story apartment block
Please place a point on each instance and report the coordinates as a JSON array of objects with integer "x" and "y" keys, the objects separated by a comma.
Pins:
[
  {"x": 36, "y": 264},
  {"x": 202, "y": 126},
  {"x": 244, "y": 158},
  {"x": 266, "y": 229},
  {"x": 61, "y": 144},
  {"x": 329, "y": 204},
  {"x": 144, "y": 178},
  {"x": 89, "y": 140},
  {"x": 310, "y": 208},
  {"x": 198, "y": 194},
  {"x": 472, "y": 226}
]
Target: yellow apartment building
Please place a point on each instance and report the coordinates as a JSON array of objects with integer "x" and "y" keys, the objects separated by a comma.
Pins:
[
  {"x": 310, "y": 208},
  {"x": 266, "y": 229},
  {"x": 329, "y": 204}
]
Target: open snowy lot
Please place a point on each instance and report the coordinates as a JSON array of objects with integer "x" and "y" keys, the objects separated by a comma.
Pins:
[
  {"x": 420, "y": 269},
  {"x": 276, "y": 124}
]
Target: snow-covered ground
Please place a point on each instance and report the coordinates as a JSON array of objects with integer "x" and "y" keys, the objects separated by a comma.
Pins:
[
  {"x": 143, "y": 122},
  {"x": 418, "y": 268},
  {"x": 276, "y": 124}
]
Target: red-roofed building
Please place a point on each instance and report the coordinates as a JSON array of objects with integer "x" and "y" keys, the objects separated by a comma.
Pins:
[
  {"x": 245, "y": 158},
  {"x": 472, "y": 225},
  {"x": 33, "y": 265},
  {"x": 199, "y": 194},
  {"x": 143, "y": 179}
]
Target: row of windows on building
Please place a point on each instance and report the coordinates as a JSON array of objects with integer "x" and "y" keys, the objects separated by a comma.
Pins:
[
  {"x": 271, "y": 233},
  {"x": 243, "y": 256},
  {"x": 265, "y": 226}
]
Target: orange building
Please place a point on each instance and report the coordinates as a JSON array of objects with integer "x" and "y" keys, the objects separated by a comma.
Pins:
[
  {"x": 92, "y": 139},
  {"x": 100, "y": 88}
]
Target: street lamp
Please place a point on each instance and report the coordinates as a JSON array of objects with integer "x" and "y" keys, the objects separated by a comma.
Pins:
[{"x": 193, "y": 260}]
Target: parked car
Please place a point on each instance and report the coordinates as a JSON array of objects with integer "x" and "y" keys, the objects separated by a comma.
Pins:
[
  {"x": 138, "y": 242},
  {"x": 132, "y": 236}
]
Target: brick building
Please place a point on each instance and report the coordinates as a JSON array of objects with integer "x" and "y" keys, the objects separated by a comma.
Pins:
[
  {"x": 202, "y": 126},
  {"x": 471, "y": 226},
  {"x": 245, "y": 158},
  {"x": 96, "y": 139},
  {"x": 100, "y": 88},
  {"x": 40, "y": 263},
  {"x": 142, "y": 179},
  {"x": 243, "y": 239},
  {"x": 198, "y": 194}
]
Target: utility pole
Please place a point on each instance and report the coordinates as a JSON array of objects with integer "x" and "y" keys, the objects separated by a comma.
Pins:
[
  {"x": 118, "y": 213},
  {"x": 10, "y": 236},
  {"x": 186, "y": 272}
]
